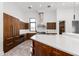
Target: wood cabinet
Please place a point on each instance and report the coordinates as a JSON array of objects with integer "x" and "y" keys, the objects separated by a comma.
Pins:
[
  {"x": 12, "y": 26},
  {"x": 8, "y": 32},
  {"x": 22, "y": 38},
  {"x": 23, "y": 25},
  {"x": 29, "y": 35},
  {"x": 11, "y": 32},
  {"x": 40, "y": 49},
  {"x": 51, "y": 25},
  {"x": 61, "y": 27}
]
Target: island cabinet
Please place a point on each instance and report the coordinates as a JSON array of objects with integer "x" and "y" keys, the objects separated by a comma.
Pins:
[{"x": 40, "y": 49}]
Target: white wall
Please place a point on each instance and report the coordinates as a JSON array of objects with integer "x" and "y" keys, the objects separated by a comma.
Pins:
[
  {"x": 50, "y": 16},
  {"x": 14, "y": 10},
  {"x": 77, "y": 13},
  {"x": 1, "y": 28},
  {"x": 67, "y": 15},
  {"x": 31, "y": 14}
]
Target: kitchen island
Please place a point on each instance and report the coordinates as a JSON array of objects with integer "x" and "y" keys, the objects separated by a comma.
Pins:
[{"x": 53, "y": 45}]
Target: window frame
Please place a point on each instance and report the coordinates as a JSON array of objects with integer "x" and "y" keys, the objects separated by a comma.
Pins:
[{"x": 30, "y": 24}]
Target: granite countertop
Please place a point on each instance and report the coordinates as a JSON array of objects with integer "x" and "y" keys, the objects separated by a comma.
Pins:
[{"x": 62, "y": 42}]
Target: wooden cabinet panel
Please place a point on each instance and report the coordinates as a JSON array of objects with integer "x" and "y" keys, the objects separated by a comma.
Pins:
[
  {"x": 51, "y": 25},
  {"x": 40, "y": 49},
  {"x": 26, "y": 25},
  {"x": 11, "y": 32},
  {"x": 23, "y": 25},
  {"x": 7, "y": 26},
  {"x": 8, "y": 44},
  {"x": 61, "y": 27},
  {"x": 56, "y": 52},
  {"x": 29, "y": 35},
  {"x": 16, "y": 40}
]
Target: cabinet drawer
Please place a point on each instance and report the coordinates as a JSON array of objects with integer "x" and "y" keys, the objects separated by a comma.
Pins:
[{"x": 8, "y": 40}]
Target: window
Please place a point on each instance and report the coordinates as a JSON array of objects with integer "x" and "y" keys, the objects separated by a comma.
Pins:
[{"x": 32, "y": 23}]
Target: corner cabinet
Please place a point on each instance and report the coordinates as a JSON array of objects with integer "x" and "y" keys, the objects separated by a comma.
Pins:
[{"x": 40, "y": 49}]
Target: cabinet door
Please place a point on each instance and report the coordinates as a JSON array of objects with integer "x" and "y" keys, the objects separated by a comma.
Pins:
[
  {"x": 51, "y": 25},
  {"x": 29, "y": 35},
  {"x": 7, "y": 26},
  {"x": 16, "y": 40},
  {"x": 40, "y": 49},
  {"x": 56, "y": 52},
  {"x": 8, "y": 44},
  {"x": 15, "y": 31}
]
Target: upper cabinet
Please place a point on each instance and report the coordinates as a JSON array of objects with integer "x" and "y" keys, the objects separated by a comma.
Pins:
[
  {"x": 51, "y": 25},
  {"x": 23, "y": 25}
]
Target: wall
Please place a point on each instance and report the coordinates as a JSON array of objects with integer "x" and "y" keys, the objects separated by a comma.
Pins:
[
  {"x": 50, "y": 16},
  {"x": 1, "y": 28},
  {"x": 14, "y": 10},
  {"x": 31, "y": 14},
  {"x": 67, "y": 15}
]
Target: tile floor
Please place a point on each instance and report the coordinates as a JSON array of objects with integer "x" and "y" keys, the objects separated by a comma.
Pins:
[{"x": 23, "y": 49}]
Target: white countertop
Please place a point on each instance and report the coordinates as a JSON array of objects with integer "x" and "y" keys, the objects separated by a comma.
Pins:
[
  {"x": 62, "y": 42},
  {"x": 25, "y": 31}
]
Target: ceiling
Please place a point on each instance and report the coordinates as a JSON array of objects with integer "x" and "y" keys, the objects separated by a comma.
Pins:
[{"x": 43, "y": 6}]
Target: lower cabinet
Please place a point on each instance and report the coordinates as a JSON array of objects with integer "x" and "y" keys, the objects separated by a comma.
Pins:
[
  {"x": 16, "y": 40},
  {"x": 29, "y": 35},
  {"x": 11, "y": 42},
  {"x": 40, "y": 49},
  {"x": 8, "y": 44}
]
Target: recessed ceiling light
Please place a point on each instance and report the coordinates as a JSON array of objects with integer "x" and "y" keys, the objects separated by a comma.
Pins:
[
  {"x": 30, "y": 7},
  {"x": 40, "y": 5},
  {"x": 49, "y": 6}
]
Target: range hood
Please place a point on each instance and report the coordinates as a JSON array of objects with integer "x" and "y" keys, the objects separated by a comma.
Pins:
[
  {"x": 41, "y": 18},
  {"x": 41, "y": 27}
]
